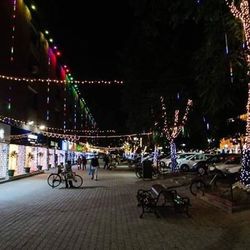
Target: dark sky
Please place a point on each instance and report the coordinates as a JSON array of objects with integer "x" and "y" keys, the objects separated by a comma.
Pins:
[{"x": 90, "y": 36}]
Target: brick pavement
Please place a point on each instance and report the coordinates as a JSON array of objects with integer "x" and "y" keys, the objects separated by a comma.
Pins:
[{"x": 104, "y": 215}]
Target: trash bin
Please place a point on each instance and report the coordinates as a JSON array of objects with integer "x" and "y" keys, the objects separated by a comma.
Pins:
[{"x": 147, "y": 169}]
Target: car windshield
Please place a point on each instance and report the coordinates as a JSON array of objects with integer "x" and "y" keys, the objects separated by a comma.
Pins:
[
  {"x": 181, "y": 156},
  {"x": 216, "y": 159}
]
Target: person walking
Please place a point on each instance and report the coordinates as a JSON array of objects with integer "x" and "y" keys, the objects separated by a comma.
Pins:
[
  {"x": 84, "y": 162},
  {"x": 94, "y": 165},
  {"x": 79, "y": 162},
  {"x": 106, "y": 161}
]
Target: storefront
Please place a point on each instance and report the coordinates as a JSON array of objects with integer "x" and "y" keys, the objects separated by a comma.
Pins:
[
  {"x": 4, "y": 149},
  {"x": 42, "y": 157}
]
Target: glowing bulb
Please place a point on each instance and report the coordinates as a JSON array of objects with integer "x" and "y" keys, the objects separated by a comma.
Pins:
[
  {"x": 33, "y": 7},
  {"x": 42, "y": 127}
]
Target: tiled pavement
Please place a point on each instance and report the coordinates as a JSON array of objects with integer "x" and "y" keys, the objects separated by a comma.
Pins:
[{"x": 104, "y": 215}]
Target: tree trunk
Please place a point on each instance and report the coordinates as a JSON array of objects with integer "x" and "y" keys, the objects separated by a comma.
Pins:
[
  {"x": 245, "y": 171},
  {"x": 173, "y": 156}
]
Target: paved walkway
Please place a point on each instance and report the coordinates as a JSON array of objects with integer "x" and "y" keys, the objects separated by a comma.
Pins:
[{"x": 104, "y": 215}]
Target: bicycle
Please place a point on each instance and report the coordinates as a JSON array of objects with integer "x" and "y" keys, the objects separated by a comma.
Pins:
[
  {"x": 55, "y": 179},
  {"x": 204, "y": 183}
]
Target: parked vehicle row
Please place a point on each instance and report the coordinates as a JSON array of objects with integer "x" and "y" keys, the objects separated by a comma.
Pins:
[{"x": 202, "y": 162}]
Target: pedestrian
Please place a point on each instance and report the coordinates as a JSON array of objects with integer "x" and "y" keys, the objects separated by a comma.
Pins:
[
  {"x": 68, "y": 174},
  {"x": 106, "y": 161},
  {"x": 84, "y": 162},
  {"x": 79, "y": 162},
  {"x": 60, "y": 168},
  {"x": 94, "y": 165}
]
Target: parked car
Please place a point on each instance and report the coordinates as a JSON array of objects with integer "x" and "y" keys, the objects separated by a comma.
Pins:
[
  {"x": 203, "y": 166},
  {"x": 166, "y": 162},
  {"x": 232, "y": 164},
  {"x": 188, "y": 163}
]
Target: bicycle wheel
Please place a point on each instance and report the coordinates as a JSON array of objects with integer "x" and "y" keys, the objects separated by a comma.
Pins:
[
  {"x": 78, "y": 181},
  {"x": 54, "y": 180},
  {"x": 197, "y": 187}
]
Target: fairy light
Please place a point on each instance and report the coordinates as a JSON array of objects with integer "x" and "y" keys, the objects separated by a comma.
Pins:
[
  {"x": 65, "y": 107},
  {"x": 173, "y": 132},
  {"x": 48, "y": 92},
  {"x": 226, "y": 43},
  {"x": 18, "y": 122},
  {"x": 75, "y": 114},
  {"x": 12, "y": 50},
  {"x": 230, "y": 63},
  {"x": 243, "y": 14},
  {"x": 78, "y": 82},
  {"x": 9, "y": 99},
  {"x": 78, "y": 137},
  {"x": 13, "y": 30}
]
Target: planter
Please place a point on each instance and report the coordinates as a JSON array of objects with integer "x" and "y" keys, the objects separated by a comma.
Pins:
[
  {"x": 39, "y": 167},
  {"x": 27, "y": 170},
  {"x": 11, "y": 172}
]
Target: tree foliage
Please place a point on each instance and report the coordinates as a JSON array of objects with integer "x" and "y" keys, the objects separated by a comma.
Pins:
[{"x": 180, "y": 47}]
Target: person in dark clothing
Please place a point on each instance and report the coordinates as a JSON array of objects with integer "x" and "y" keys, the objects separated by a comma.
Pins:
[
  {"x": 84, "y": 162},
  {"x": 69, "y": 176},
  {"x": 106, "y": 161},
  {"x": 94, "y": 167}
]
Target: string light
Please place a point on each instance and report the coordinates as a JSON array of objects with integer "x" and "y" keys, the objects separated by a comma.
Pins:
[
  {"x": 48, "y": 92},
  {"x": 77, "y": 137},
  {"x": 65, "y": 107},
  {"x": 24, "y": 123},
  {"x": 243, "y": 14},
  {"x": 75, "y": 112},
  {"x": 40, "y": 80},
  {"x": 230, "y": 63},
  {"x": 13, "y": 30},
  {"x": 173, "y": 132}
]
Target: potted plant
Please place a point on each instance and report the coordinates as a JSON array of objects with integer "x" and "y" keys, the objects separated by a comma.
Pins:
[
  {"x": 13, "y": 157},
  {"x": 30, "y": 157},
  {"x": 39, "y": 166}
]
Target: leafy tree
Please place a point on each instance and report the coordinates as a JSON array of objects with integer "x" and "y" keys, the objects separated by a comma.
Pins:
[{"x": 180, "y": 47}]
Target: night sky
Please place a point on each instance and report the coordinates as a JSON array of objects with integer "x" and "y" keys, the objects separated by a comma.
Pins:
[{"x": 91, "y": 37}]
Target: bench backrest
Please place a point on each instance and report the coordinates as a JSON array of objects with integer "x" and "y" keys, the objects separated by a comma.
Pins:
[{"x": 158, "y": 188}]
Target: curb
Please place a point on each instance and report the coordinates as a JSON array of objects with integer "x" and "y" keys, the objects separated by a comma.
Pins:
[{"x": 18, "y": 177}]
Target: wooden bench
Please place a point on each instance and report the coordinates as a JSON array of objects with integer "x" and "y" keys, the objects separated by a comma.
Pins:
[{"x": 159, "y": 196}]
